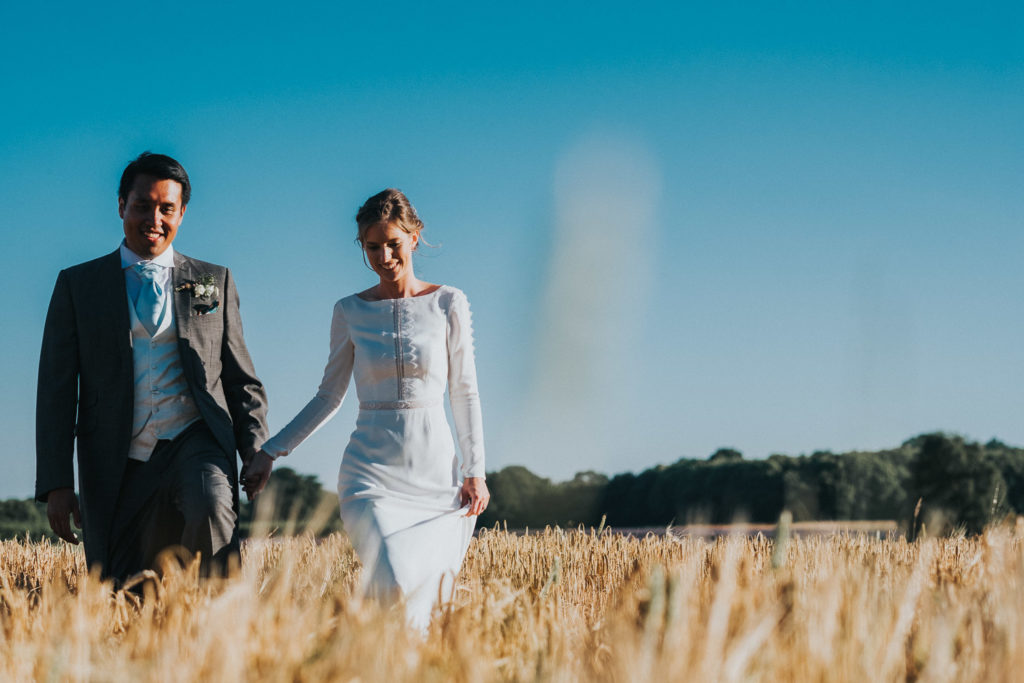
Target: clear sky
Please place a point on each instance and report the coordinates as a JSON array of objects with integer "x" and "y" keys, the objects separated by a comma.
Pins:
[{"x": 779, "y": 227}]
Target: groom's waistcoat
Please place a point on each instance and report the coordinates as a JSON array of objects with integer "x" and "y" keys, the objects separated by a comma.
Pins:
[{"x": 163, "y": 404}]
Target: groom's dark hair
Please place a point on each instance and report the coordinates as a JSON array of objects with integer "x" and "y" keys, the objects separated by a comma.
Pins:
[{"x": 161, "y": 167}]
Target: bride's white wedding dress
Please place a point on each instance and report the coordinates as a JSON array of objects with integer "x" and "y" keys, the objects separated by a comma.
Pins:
[{"x": 399, "y": 479}]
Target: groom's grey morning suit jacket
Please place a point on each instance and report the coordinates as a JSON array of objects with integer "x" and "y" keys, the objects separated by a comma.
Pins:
[{"x": 86, "y": 383}]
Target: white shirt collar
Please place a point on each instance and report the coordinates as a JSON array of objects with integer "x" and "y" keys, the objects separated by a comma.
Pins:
[{"x": 129, "y": 258}]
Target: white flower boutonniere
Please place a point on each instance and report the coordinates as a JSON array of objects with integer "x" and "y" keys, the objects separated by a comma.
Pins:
[{"x": 205, "y": 289}]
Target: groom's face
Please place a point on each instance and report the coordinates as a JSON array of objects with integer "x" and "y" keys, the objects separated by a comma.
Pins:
[{"x": 151, "y": 212}]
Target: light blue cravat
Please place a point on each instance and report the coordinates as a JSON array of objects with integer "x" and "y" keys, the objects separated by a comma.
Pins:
[{"x": 151, "y": 302}]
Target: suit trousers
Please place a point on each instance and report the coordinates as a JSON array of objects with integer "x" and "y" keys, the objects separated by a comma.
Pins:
[{"x": 184, "y": 497}]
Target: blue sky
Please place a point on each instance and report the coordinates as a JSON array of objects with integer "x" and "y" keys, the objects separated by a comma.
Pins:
[{"x": 681, "y": 226}]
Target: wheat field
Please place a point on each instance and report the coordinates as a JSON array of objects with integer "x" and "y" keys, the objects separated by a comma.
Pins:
[{"x": 552, "y": 606}]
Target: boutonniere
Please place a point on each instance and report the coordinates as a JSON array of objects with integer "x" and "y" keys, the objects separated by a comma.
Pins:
[{"x": 204, "y": 289}]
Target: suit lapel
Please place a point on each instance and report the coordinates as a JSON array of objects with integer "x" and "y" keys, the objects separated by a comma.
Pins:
[
  {"x": 182, "y": 297},
  {"x": 112, "y": 301},
  {"x": 111, "y": 306}
]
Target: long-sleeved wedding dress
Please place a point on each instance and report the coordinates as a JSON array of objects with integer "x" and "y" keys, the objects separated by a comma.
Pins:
[{"x": 399, "y": 479}]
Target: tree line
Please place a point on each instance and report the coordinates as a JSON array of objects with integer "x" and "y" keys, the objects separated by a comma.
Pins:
[{"x": 938, "y": 480}]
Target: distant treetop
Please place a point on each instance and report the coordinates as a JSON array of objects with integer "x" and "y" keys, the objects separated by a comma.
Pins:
[{"x": 726, "y": 455}]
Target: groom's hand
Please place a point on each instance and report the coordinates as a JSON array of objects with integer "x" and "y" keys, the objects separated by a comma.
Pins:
[
  {"x": 61, "y": 504},
  {"x": 256, "y": 473}
]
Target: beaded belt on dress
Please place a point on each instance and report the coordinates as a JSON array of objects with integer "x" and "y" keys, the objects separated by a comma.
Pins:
[{"x": 399, "y": 405}]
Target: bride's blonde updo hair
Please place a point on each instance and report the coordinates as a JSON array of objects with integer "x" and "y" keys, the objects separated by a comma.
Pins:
[{"x": 390, "y": 207}]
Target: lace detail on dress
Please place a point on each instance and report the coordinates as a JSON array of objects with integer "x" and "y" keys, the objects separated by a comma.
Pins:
[{"x": 399, "y": 355}]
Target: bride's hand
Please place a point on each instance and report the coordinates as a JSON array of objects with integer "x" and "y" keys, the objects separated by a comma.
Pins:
[{"x": 474, "y": 492}]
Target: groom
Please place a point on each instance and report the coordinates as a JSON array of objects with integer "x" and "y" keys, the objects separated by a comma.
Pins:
[{"x": 143, "y": 364}]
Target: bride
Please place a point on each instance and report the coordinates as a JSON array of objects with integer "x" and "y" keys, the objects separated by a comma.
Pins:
[{"x": 405, "y": 506}]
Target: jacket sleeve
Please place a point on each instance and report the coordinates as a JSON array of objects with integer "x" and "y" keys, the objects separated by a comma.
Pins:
[
  {"x": 462, "y": 387},
  {"x": 57, "y": 394},
  {"x": 329, "y": 396},
  {"x": 246, "y": 397}
]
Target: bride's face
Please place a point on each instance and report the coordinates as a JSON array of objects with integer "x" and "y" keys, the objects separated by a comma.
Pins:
[{"x": 389, "y": 251}]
